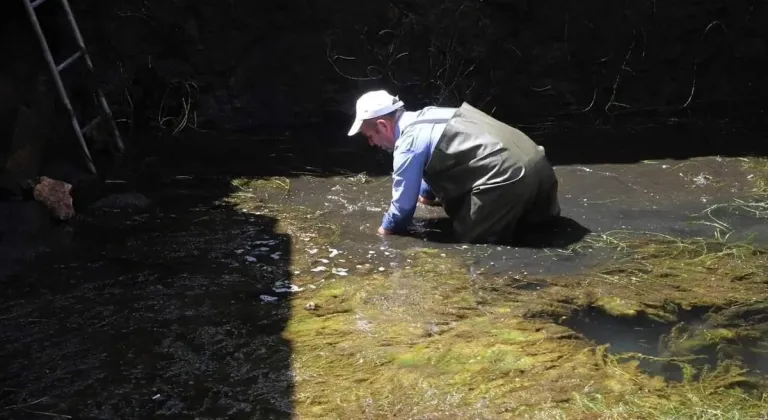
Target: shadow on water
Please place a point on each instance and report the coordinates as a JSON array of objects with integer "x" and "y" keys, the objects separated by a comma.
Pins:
[
  {"x": 558, "y": 233},
  {"x": 174, "y": 311}
]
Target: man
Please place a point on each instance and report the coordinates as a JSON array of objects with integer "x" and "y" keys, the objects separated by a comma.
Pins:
[{"x": 489, "y": 177}]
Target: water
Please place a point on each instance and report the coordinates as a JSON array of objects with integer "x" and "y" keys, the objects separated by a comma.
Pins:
[
  {"x": 194, "y": 308},
  {"x": 662, "y": 342},
  {"x": 664, "y": 197},
  {"x": 634, "y": 335},
  {"x": 152, "y": 315}
]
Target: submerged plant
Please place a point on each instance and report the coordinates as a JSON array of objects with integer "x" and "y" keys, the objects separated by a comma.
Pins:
[{"x": 426, "y": 337}]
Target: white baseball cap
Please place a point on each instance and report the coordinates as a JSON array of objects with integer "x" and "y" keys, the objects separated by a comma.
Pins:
[{"x": 371, "y": 105}]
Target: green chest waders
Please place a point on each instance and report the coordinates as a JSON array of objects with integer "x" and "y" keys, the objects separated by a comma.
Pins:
[{"x": 490, "y": 177}]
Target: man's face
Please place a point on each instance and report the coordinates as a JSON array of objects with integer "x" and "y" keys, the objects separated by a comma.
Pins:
[{"x": 380, "y": 133}]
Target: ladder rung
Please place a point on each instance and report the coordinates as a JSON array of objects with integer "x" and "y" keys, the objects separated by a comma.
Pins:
[
  {"x": 38, "y": 3},
  {"x": 69, "y": 61},
  {"x": 91, "y": 124}
]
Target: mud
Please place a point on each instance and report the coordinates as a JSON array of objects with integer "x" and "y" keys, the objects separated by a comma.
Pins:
[{"x": 273, "y": 298}]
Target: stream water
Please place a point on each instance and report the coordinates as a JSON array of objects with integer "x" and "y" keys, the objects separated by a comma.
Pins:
[{"x": 282, "y": 302}]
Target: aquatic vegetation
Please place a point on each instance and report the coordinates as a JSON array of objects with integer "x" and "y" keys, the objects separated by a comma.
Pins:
[
  {"x": 757, "y": 167},
  {"x": 267, "y": 196},
  {"x": 261, "y": 188},
  {"x": 426, "y": 337},
  {"x": 657, "y": 268},
  {"x": 422, "y": 343},
  {"x": 689, "y": 402}
]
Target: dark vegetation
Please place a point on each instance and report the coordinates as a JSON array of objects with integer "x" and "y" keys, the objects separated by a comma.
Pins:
[
  {"x": 595, "y": 81},
  {"x": 270, "y": 88}
]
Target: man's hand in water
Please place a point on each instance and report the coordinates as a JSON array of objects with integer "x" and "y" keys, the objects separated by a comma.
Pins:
[
  {"x": 428, "y": 202},
  {"x": 422, "y": 200}
]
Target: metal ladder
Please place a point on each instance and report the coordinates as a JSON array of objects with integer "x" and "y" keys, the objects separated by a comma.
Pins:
[{"x": 55, "y": 69}]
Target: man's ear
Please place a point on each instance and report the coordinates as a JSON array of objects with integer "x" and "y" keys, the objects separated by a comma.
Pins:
[{"x": 384, "y": 125}]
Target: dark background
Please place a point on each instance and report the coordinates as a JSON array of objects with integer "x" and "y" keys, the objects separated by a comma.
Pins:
[{"x": 631, "y": 79}]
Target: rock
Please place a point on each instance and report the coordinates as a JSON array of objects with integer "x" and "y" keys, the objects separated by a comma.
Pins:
[
  {"x": 56, "y": 196},
  {"x": 124, "y": 201}
]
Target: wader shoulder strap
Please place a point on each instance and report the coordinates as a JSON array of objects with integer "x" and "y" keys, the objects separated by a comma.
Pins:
[{"x": 426, "y": 118}]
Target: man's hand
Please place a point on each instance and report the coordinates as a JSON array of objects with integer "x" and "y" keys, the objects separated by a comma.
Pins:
[
  {"x": 427, "y": 202},
  {"x": 383, "y": 231}
]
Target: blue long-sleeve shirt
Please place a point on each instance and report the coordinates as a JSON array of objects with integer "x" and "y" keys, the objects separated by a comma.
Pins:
[{"x": 416, "y": 135}]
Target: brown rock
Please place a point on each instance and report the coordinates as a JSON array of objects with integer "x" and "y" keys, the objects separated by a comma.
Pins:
[{"x": 56, "y": 196}]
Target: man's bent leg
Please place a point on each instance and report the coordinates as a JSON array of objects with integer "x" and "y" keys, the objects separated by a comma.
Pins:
[
  {"x": 546, "y": 204},
  {"x": 493, "y": 213}
]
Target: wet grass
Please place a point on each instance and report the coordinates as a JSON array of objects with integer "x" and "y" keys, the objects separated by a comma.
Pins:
[
  {"x": 758, "y": 174},
  {"x": 426, "y": 342},
  {"x": 423, "y": 337},
  {"x": 655, "y": 268},
  {"x": 692, "y": 402},
  {"x": 267, "y": 196}
]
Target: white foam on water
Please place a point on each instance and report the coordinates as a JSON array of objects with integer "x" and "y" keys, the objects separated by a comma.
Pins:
[
  {"x": 267, "y": 298},
  {"x": 293, "y": 289}
]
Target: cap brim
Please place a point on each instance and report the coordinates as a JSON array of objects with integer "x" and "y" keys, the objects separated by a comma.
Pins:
[{"x": 355, "y": 128}]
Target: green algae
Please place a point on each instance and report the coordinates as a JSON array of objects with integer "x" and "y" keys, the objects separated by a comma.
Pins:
[
  {"x": 757, "y": 167},
  {"x": 268, "y": 196},
  {"x": 657, "y": 269},
  {"x": 263, "y": 185},
  {"x": 617, "y": 306},
  {"x": 686, "y": 340},
  {"x": 688, "y": 402},
  {"x": 411, "y": 360},
  {"x": 427, "y": 340}
]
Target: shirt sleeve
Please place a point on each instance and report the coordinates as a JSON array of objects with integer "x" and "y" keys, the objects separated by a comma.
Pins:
[
  {"x": 408, "y": 167},
  {"x": 426, "y": 191}
]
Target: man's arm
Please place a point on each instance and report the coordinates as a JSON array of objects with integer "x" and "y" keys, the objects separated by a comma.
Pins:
[
  {"x": 427, "y": 196},
  {"x": 426, "y": 191},
  {"x": 408, "y": 167}
]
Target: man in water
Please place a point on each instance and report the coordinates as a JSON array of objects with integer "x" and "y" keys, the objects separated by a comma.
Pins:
[{"x": 490, "y": 178}]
